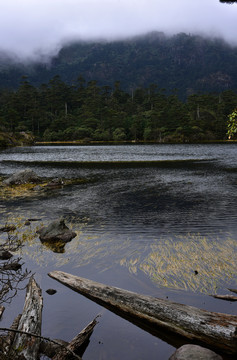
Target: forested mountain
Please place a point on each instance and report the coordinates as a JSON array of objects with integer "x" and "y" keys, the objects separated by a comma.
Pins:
[
  {"x": 152, "y": 88},
  {"x": 188, "y": 63}
]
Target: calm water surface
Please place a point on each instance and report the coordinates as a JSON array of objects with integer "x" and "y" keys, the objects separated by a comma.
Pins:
[{"x": 146, "y": 217}]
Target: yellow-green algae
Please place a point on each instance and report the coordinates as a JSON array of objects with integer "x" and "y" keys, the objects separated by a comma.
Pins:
[{"x": 193, "y": 262}]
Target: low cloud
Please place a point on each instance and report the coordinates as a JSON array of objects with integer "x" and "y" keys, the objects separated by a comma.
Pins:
[{"x": 36, "y": 29}]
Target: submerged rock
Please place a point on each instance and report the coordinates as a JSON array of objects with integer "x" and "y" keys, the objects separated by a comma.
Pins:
[
  {"x": 22, "y": 177},
  {"x": 194, "y": 352},
  {"x": 56, "y": 231},
  {"x": 57, "y": 247},
  {"x": 51, "y": 291}
]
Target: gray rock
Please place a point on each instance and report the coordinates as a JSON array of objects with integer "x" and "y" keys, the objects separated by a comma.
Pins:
[
  {"x": 22, "y": 177},
  {"x": 56, "y": 231},
  {"x": 194, "y": 352}
]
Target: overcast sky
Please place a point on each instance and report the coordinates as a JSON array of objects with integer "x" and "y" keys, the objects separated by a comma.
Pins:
[{"x": 31, "y": 27}]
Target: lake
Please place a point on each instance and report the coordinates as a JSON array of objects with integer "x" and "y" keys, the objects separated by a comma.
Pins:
[{"x": 155, "y": 219}]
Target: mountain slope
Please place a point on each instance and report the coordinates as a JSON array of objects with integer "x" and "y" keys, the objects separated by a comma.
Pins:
[{"x": 184, "y": 62}]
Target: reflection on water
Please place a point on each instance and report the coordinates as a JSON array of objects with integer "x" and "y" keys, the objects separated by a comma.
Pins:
[{"x": 147, "y": 218}]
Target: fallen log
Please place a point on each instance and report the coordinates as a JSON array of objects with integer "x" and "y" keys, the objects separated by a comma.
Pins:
[
  {"x": 233, "y": 290},
  {"x": 78, "y": 343},
  {"x": 160, "y": 317},
  {"x": 225, "y": 297},
  {"x": 11, "y": 336},
  {"x": 2, "y": 308},
  {"x": 30, "y": 322}
]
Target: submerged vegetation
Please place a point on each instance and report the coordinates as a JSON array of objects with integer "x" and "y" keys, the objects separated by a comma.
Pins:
[
  {"x": 193, "y": 262},
  {"x": 89, "y": 112}
]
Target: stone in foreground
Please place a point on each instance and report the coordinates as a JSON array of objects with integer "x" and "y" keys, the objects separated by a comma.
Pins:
[
  {"x": 56, "y": 231},
  {"x": 194, "y": 352}
]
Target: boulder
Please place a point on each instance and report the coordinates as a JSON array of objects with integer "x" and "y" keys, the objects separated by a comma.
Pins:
[
  {"x": 56, "y": 231},
  {"x": 22, "y": 177},
  {"x": 194, "y": 352}
]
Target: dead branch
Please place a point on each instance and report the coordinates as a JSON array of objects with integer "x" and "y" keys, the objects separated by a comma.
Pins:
[
  {"x": 78, "y": 341},
  {"x": 30, "y": 322},
  {"x": 233, "y": 290},
  {"x": 2, "y": 308},
  {"x": 225, "y": 297},
  {"x": 8, "y": 340},
  {"x": 41, "y": 338},
  {"x": 11, "y": 276}
]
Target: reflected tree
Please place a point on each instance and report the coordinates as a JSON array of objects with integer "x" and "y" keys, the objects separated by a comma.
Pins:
[{"x": 11, "y": 273}]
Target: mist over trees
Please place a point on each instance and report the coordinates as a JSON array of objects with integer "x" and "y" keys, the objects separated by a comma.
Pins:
[{"x": 186, "y": 62}]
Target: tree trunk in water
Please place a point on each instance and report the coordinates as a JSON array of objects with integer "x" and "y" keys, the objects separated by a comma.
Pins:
[
  {"x": 160, "y": 317},
  {"x": 30, "y": 322},
  {"x": 2, "y": 308},
  {"x": 76, "y": 344}
]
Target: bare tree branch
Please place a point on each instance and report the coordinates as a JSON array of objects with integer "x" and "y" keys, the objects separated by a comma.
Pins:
[{"x": 11, "y": 274}]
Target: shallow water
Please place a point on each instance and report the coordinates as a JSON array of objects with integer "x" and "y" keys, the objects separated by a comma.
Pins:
[{"x": 147, "y": 217}]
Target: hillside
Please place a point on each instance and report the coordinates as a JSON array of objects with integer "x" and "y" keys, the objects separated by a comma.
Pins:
[{"x": 188, "y": 63}]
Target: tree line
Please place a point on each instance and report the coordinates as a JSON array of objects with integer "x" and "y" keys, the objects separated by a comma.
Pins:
[{"x": 86, "y": 111}]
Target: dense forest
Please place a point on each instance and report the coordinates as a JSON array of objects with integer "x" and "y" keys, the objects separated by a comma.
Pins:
[
  {"x": 151, "y": 88},
  {"x": 86, "y": 111},
  {"x": 188, "y": 63}
]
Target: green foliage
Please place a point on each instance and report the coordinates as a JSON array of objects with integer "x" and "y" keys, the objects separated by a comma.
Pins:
[
  {"x": 119, "y": 134},
  {"x": 232, "y": 124},
  {"x": 58, "y": 112}
]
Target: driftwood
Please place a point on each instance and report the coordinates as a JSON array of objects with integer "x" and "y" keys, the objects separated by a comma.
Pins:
[
  {"x": 158, "y": 316},
  {"x": 233, "y": 290},
  {"x": 24, "y": 340},
  {"x": 34, "y": 336},
  {"x": 225, "y": 297},
  {"x": 8, "y": 340},
  {"x": 78, "y": 343},
  {"x": 30, "y": 322},
  {"x": 2, "y": 308}
]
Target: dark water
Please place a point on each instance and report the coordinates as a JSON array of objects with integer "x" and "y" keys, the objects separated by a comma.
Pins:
[{"x": 147, "y": 217}]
